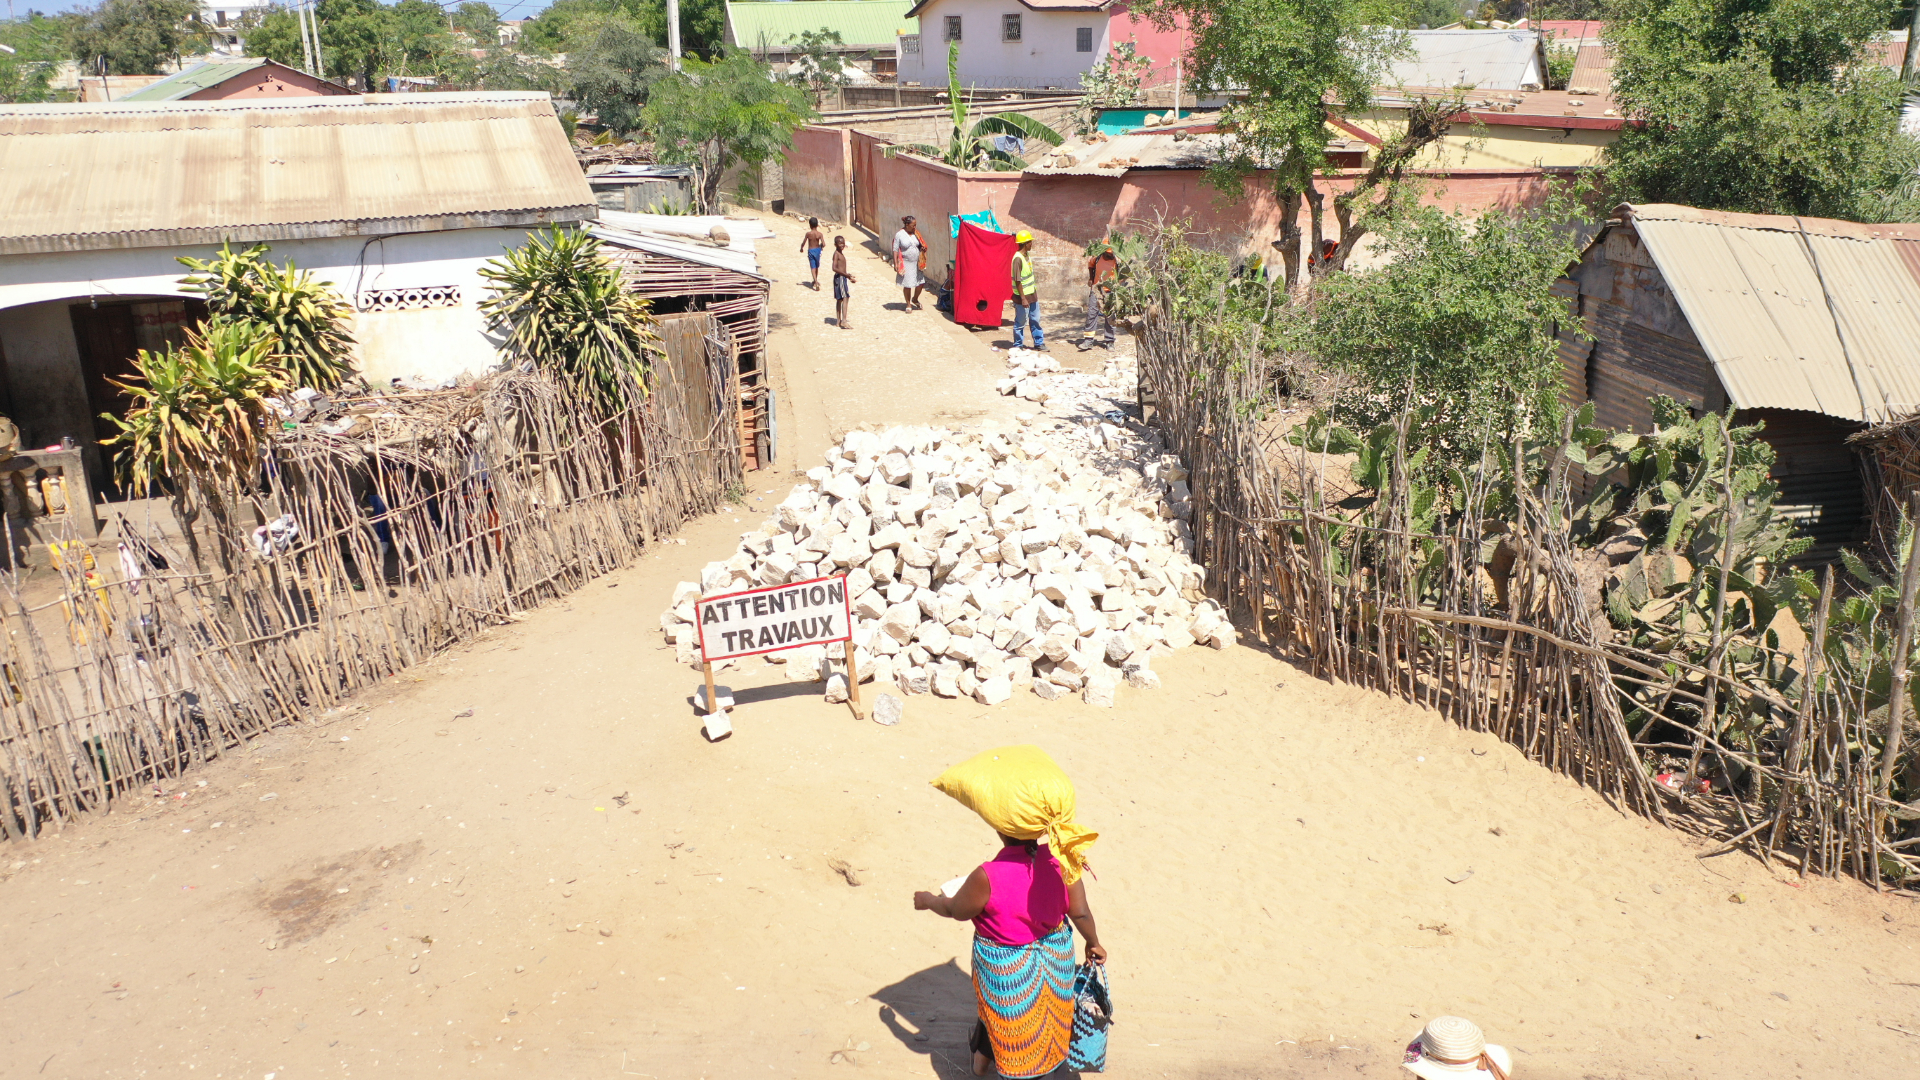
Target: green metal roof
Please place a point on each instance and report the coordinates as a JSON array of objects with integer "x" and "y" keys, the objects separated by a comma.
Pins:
[
  {"x": 860, "y": 22},
  {"x": 192, "y": 80}
]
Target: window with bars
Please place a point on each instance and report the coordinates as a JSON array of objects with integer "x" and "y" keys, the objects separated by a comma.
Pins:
[
  {"x": 953, "y": 28},
  {"x": 1083, "y": 39},
  {"x": 1009, "y": 28}
]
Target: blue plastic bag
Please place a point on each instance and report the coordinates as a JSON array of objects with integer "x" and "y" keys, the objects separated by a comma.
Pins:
[{"x": 1092, "y": 1015}]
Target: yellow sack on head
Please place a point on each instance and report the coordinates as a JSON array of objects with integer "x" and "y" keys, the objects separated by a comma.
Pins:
[{"x": 1023, "y": 794}]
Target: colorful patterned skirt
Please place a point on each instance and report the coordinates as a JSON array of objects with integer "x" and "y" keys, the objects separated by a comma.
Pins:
[{"x": 1026, "y": 1001}]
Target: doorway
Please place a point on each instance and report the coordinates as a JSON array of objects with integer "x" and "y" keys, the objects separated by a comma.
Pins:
[{"x": 109, "y": 335}]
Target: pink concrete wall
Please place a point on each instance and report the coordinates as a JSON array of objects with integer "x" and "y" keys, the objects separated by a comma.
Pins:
[
  {"x": 926, "y": 189},
  {"x": 1160, "y": 46},
  {"x": 819, "y": 174}
]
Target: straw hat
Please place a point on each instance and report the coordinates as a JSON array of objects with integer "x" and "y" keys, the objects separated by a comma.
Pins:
[{"x": 1453, "y": 1046}]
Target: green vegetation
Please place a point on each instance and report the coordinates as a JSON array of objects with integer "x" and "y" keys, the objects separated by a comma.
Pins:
[
  {"x": 199, "y": 411},
  {"x": 39, "y": 44},
  {"x": 1112, "y": 83},
  {"x": 134, "y": 37},
  {"x": 614, "y": 66},
  {"x": 1457, "y": 321},
  {"x": 971, "y": 144},
  {"x": 1281, "y": 60},
  {"x": 703, "y": 24},
  {"x": 1767, "y": 107},
  {"x": 302, "y": 320},
  {"x": 563, "y": 308},
  {"x": 714, "y": 116},
  {"x": 819, "y": 67}
]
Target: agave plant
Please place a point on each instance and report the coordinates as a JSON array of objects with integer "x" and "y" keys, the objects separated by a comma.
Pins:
[
  {"x": 199, "y": 410},
  {"x": 306, "y": 319},
  {"x": 971, "y": 145},
  {"x": 561, "y": 305}
]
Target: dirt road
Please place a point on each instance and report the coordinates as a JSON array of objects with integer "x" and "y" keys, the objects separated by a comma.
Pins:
[{"x": 523, "y": 860}]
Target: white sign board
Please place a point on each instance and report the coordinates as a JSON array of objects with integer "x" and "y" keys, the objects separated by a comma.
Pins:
[{"x": 774, "y": 618}]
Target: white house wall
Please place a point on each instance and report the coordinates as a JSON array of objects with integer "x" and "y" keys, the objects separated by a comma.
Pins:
[
  {"x": 1044, "y": 56},
  {"x": 421, "y": 335}
]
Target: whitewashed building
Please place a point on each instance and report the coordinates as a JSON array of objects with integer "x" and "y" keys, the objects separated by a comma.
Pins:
[{"x": 397, "y": 200}]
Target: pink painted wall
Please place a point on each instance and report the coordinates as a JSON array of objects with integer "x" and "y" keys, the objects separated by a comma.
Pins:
[
  {"x": 819, "y": 173},
  {"x": 1160, "y": 46}
]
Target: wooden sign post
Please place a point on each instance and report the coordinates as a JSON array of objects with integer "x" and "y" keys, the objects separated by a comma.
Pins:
[{"x": 754, "y": 622}]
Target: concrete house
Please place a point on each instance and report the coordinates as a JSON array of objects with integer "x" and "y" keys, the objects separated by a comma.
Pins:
[
  {"x": 397, "y": 201},
  {"x": 1808, "y": 325},
  {"x": 1026, "y": 44},
  {"x": 225, "y": 80}
]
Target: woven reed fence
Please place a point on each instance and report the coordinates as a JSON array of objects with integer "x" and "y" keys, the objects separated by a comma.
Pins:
[
  {"x": 437, "y": 514},
  {"x": 1358, "y": 596}
]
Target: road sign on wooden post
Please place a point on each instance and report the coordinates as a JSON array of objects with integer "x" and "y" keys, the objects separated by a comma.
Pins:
[{"x": 753, "y": 622}]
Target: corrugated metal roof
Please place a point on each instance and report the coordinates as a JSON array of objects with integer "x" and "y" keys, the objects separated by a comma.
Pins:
[
  {"x": 1592, "y": 70},
  {"x": 1795, "y": 313},
  {"x": 193, "y": 80},
  {"x": 147, "y": 174},
  {"x": 860, "y": 23},
  {"x": 1136, "y": 150},
  {"x": 683, "y": 248},
  {"x": 1483, "y": 59}
]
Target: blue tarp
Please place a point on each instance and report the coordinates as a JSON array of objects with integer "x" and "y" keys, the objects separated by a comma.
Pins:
[{"x": 984, "y": 219}]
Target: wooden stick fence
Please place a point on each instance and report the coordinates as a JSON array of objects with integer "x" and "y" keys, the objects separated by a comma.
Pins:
[
  {"x": 440, "y": 514},
  {"x": 1362, "y": 597}
]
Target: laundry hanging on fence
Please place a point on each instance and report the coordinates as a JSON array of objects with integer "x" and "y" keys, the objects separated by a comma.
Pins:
[
  {"x": 982, "y": 275},
  {"x": 982, "y": 218}
]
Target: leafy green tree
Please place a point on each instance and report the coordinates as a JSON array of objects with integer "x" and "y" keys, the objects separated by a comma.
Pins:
[
  {"x": 480, "y": 22},
  {"x": 1762, "y": 106},
  {"x": 1279, "y": 61},
  {"x": 501, "y": 69},
  {"x": 819, "y": 67},
  {"x": 363, "y": 41},
  {"x": 713, "y": 116},
  {"x": 1432, "y": 14},
  {"x": 134, "y": 37},
  {"x": 38, "y": 44},
  {"x": 703, "y": 23},
  {"x": 1458, "y": 320},
  {"x": 613, "y": 66}
]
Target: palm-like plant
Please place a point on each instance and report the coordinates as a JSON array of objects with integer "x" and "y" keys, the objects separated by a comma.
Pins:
[
  {"x": 199, "y": 410},
  {"x": 562, "y": 306},
  {"x": 971, "y": 145},
  {"x": 306, "y": 318}
]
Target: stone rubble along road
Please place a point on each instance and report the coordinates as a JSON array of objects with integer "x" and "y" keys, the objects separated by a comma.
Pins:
[{"x": 979, "y": 563}]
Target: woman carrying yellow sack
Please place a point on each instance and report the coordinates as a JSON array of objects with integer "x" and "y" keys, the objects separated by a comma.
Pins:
[{"x": 1024, "y": 905}]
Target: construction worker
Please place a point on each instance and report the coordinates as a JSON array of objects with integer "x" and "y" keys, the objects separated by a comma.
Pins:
[
  {"x": 1026, "y": 298},
  {"x": 1102, "y": 269}
]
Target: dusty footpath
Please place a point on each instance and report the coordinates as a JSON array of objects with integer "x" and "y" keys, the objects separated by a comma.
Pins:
[{"x": 523, "y": 859}]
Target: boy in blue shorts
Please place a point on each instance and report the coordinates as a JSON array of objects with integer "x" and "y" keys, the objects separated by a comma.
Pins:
[{"x": 814, "y": 243}]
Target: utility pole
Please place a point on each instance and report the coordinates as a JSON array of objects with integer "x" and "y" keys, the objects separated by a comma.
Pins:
[
  {"x": 313, "y": 18},
  {"x": 306, "y": 44},
  {"x": 673, "y": 33}
]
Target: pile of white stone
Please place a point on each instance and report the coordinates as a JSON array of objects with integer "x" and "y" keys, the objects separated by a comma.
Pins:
[
  {"x": 1039, "y": 378},
  {"x": 979, "y": 563}
]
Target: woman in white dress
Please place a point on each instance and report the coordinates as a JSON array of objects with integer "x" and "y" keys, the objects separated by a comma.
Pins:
[{"x": 910, "y": 262}]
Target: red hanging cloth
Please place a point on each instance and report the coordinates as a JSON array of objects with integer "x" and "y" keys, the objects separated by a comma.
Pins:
[{"x": 982, "y": 275}]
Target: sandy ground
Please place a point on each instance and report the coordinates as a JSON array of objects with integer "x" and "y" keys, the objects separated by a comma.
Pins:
[{"x": 569, "y": 881}]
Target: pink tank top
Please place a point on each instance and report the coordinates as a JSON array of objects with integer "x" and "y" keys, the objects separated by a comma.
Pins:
[{"x": 1029, "y": 897}]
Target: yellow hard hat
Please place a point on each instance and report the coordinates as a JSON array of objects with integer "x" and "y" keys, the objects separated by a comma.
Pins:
[{"x": 1023, "y": 237}]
